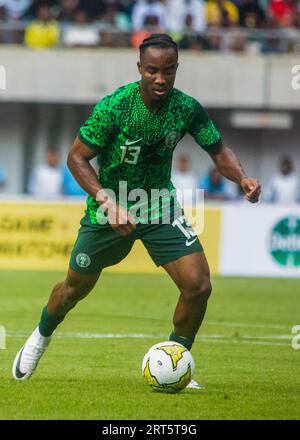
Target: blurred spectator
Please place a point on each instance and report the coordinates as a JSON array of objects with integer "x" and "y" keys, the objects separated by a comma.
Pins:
[
  {"x": 284, "y": 187},
  {"x": 183, "y": 178},
  {"x": 179, "y": 10},
  {"x": 189, "y": 39},
  {"x": 93, "y": 8},
  {"x": 139, "y": 35},
  {"x": 221, "y": 13},
  {"x": 81, "y": 33},
  {"x": 126, "y": 6},
  {"x": 44, "y": 31},
  {"x": 290, "y": 34},
  {"x": 31, "y": 13},
  {"x": 144, "y": 9},
  {"x": 114, "y": 17},
  {"x": 3, "y": 177},
  {"x": 279, "y": 10},
  {"x": 14, "y": 9},
  {"x": 273, "y": 43},
  {"x": 70, "y": 187},
  {"x": 46, "y": 179},
  {"x": 214, "y": 185},
  {"x": 68, "y": 9},
  {"x": 234, "y": 40},
  {"x": 251, "y": 14}
]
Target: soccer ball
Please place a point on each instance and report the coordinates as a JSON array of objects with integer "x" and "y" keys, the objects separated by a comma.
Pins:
[{"x": 168, "y": 366}]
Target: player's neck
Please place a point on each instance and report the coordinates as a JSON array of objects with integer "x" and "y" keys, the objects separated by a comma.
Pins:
[{"x": 152, "y": 105}]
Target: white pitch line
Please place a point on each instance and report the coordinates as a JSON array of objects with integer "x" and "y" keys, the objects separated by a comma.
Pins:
[{"x": 268, "y": 340}]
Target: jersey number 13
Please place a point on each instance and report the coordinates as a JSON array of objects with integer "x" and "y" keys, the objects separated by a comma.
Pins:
[{"x": 130, "y": 154}]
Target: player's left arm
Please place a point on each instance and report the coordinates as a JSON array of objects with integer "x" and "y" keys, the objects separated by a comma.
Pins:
[
  {"x": 229, "y": 166},
  {"x": 208, "y": 137}
]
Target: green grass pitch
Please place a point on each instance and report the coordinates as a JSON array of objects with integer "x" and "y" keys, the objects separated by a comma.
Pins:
[{"x": 92, "y": 369}]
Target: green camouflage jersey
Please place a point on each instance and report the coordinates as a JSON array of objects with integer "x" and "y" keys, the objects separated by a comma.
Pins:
[{"x": 135, "y": 146}]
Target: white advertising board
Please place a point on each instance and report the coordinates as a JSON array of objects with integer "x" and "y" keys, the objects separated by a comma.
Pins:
[{"x": 260, "y": 240}]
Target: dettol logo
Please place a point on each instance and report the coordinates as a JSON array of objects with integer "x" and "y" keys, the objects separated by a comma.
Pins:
[{"x": 285, "y": 242}]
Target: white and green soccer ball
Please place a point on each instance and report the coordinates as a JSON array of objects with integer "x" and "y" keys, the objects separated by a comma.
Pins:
[{"x": 168, "y": 366}]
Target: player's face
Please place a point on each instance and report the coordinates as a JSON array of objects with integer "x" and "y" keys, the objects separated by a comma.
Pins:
[{"x": 158, "y": 68}]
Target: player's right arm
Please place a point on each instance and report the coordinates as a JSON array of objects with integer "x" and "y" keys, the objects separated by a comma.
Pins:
[{"x": 78, "y": 162}]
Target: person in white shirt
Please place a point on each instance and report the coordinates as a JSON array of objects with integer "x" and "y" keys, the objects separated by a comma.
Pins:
[
  {"x": 46, "y": 179},
  {"x": 81, "y": 33},
  {"x": 148, "y": 8},
  {"x": 185, "y": 180},
  {"x": 284, "y": 187},
  {"x": 15, "y": 9},
  {"x": 178, "y": 10}
]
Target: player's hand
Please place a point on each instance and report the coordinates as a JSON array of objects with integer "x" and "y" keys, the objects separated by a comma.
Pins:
[
  {"x": 251, "y": 188},
  {"x": 119, "y": 218}
]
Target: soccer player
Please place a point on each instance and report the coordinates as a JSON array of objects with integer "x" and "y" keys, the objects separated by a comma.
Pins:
[{"x": 133, "y": 133}]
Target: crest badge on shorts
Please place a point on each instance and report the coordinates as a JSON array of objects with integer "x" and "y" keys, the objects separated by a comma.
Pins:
[{"x": 83, "y": 260}]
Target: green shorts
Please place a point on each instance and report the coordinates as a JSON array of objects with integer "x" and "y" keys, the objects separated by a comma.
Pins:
[{"x": 99, "y": 246}]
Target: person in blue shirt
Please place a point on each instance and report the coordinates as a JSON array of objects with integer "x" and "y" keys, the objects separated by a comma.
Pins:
[
  {"x": 214, "y": 185},
  {"x": 3, "y": 177},
  {"x": 70, "y": 187}
]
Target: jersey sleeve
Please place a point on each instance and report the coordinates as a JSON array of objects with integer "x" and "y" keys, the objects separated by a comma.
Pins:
[
  {"x": 99, "y": 128},
  {"x": 203, "y": 129}
]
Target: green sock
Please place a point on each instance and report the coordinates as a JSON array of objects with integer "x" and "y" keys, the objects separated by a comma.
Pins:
[
  {"x": 48, "y": 323},
  {"x": 186, "y": 342}
]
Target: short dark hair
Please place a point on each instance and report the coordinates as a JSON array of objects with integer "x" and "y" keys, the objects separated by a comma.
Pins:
[
  {"x": 159, "y": 40},
  {"x": 286, "y": 159}
]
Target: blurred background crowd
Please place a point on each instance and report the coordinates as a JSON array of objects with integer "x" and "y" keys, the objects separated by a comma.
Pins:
[
  {"x": 51, "y": 179},
  {"x": 266, "y": 26}
]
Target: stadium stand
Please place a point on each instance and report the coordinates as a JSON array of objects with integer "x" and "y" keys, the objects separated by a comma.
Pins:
[{"x": 240, "y": 25}]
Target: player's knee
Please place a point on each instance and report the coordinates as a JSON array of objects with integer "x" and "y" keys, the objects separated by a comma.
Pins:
[
  {"x": 72, "y": 294},
  {"x": 205, "y": 288},
  {"x": 198, "y": 288}
]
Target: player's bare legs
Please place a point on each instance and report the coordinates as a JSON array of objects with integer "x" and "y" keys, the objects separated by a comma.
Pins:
[
  {"x": 66, "y": 294},
  {"x": 191, "y": 275},
  {"x": 63, "y": 298}
]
